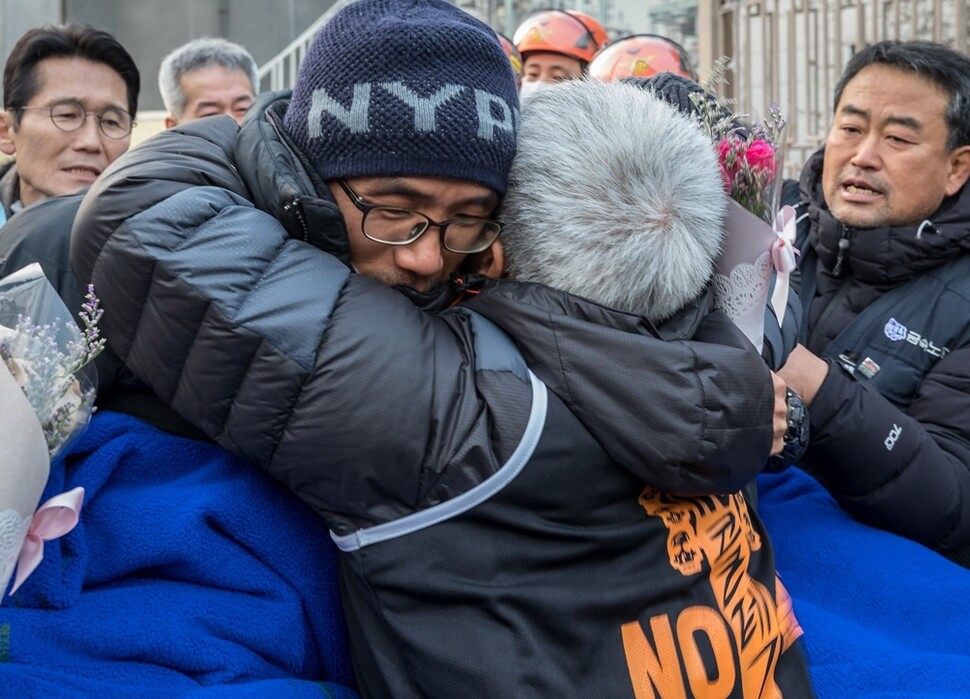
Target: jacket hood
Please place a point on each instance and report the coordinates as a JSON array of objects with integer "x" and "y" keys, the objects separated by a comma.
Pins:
[
  {"x": 885, "y": 256},
  {"x": 614, "y": 196}
]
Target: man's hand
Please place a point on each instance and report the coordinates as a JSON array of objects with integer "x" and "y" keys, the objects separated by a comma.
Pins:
[
  {"x": 781, "y": 414},
  {"x": 804, "y": 372}
]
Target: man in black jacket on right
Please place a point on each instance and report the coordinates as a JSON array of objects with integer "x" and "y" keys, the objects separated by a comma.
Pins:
[{"x": 884, "y": 359}]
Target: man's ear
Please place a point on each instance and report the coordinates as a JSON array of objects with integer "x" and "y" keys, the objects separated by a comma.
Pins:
[
  {"x": 490, "y": 262},
  {"x": 7, "y": 145},
  {"x": 170, "y": 121},
  {"x": 959, "y": 170}
]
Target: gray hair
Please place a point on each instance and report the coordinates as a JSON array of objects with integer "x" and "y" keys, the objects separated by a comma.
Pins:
[
  {"x": 615, "y": 196},
  {"x": 201, "y": 53}
]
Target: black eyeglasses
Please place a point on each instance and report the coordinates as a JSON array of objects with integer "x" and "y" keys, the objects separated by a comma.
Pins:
[
  {"x": 70, "y": 115},
  {"x": 393, "y": 225}
]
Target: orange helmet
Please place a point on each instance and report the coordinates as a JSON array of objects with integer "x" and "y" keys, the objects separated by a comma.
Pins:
[
  {"x": 571, "y": 33},
  {"x": 515, "y": 58},
  {"x": 640, "y": 56}
]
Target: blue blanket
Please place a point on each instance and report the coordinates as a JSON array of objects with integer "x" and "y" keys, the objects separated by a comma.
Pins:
[
  {"x": 883, "y": 616},
  {"x": 193, "y": 575},
  {"x": 190, "y": 574}
]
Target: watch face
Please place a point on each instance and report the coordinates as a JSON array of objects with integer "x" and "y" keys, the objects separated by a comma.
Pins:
[{"x": 797, "y": 434}]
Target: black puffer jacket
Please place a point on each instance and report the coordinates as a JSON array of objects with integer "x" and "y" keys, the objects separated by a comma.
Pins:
[
  {"x": 446, "y": 470},
  {"x": 892, "y": 446}
]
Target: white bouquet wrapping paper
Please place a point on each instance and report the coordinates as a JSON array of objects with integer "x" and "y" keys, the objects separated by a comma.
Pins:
[
  {"x": 45, "y": 401},
  {"x": 753, "y": 252}
]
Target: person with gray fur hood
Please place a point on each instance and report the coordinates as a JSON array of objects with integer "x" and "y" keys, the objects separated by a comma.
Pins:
[
  {"x": 533, "y": 494},
  {"x": 625, "y": 207}
]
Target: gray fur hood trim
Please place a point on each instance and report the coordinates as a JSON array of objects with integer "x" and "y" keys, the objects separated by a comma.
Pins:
[{"x": 614, "y": 196}]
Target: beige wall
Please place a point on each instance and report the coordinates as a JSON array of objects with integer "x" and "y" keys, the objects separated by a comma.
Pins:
[{"x": 148, "y": 123}]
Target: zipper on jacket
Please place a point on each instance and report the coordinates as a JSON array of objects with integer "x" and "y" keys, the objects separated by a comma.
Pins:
[
  {"x": 838, "y": 270},
  {"x": 844, "y": 241},
  {"x": 293, "y": 208}
]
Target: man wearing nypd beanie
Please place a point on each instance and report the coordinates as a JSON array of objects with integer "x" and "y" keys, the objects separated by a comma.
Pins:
[{"x": 280, "y": 285}]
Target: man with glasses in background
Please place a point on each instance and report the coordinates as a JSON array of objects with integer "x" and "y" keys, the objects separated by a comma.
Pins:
[
  {"x": 55, "y": 78},
  {"x": 70, "y": 93}
]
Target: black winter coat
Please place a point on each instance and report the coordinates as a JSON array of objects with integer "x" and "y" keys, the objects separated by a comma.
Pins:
[{"x": 900, "y": 459}]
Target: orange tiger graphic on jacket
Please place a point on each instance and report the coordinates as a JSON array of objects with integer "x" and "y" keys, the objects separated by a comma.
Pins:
[{"x": 739, "y": 640}]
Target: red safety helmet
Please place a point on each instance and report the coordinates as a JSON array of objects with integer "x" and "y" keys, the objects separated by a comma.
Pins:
[
  {"x": 640, "y": 56},
  {"x": 515, "y": 58},
  {"x": 569, "y": 32}
]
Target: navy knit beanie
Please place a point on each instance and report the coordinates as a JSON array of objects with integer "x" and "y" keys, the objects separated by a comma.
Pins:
[
  {"x": 415, "y": 88},
  {"x": 672, "y": 88},
  {"x": 677, "y": 90}
]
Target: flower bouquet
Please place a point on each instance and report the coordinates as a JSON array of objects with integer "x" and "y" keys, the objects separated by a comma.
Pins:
[
  {"x": 759, "y": 237},
  {"x": 46, "y": 399}
]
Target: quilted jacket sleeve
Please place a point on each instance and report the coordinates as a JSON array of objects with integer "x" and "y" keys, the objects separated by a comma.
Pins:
[{"x": 907, "y": 473}]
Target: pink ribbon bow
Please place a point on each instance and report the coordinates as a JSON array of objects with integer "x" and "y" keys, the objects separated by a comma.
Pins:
[
  {"x": 53, "y": 519},
  {"x": 783, "y": 253}
]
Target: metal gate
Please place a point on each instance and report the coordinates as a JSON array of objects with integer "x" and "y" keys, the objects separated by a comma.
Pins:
[{"x": 792, "y": 52}]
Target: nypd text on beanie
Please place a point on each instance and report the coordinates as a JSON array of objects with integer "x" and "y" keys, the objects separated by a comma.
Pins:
[{"x": 406, "y": 88}]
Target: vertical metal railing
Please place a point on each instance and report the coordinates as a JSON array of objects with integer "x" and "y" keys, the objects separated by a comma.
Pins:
[
  {"x": 792, "y": 52},
  {"x": 279, "y": 72}
]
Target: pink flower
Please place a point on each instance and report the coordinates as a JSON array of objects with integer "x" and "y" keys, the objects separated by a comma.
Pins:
[
  {"x": 749, "y": 164},
  {"x": 728, "y": 150},
  {"x": 760, "y": 157}
]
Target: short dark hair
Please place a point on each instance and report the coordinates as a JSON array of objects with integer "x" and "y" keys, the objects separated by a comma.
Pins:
[
  {"x": 946, "y": 68},
  {"x": 20, "y": 82}
]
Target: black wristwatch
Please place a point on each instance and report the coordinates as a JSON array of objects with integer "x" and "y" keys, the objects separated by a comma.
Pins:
[{"x": 796, "y": 436}]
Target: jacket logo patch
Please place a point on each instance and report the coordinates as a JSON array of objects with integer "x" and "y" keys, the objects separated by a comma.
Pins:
[
  {"x": 897, "y": 332},
  {"x": 892, "y": 437},
  {"x": 747, "y": 630}
]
